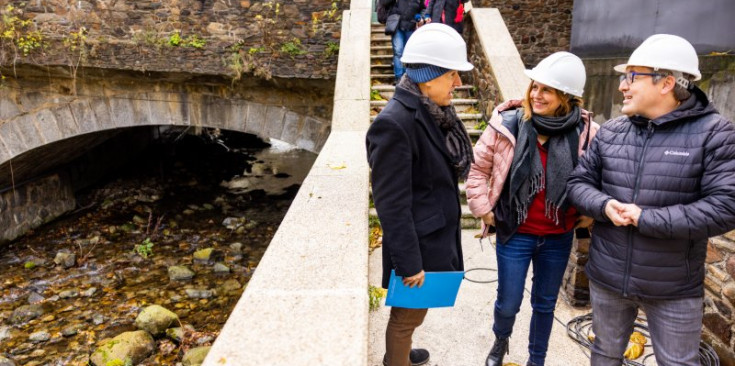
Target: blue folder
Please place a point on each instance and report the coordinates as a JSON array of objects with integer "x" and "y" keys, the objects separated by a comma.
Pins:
[{"x": 439, "y": 290}]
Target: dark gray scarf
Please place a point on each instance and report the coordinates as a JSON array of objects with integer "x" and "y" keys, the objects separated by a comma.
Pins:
[
  {"x": 527, "y": 172},
  {"x": 455, "y": 136}
]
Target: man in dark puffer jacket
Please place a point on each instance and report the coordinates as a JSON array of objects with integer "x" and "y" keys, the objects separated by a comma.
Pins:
[{"x": 659, "y": 182}]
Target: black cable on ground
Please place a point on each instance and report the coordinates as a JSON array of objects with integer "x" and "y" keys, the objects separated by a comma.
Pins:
[
  {"x": 579, "y": 329},
  {"x": 480, "y": 269}
]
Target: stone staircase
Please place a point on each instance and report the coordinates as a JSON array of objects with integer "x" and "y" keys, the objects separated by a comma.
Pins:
[{"x": 464, "y": 102}]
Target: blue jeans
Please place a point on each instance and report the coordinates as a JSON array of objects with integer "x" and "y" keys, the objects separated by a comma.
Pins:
[
  {"x": 398, "y": 40},
  {"x": 549, "y": 255},
  {"x": 675, "y": 327}
]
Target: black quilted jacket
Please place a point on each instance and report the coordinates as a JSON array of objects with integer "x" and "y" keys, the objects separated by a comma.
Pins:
[{"x": 680, "y": 169}]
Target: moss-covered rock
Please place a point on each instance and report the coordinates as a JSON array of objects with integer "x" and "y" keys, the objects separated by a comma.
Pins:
[
  {"x": 133, "y": 346},
  {"x": 156, "y": 319}
]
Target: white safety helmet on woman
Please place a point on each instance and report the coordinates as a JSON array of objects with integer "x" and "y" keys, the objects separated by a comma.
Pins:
[
  {"x": 562, "y": 71},
  {"x": 665, "y": 51}
]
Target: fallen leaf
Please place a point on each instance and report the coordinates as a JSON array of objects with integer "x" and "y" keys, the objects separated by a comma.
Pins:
[{"x": 337, "y": 167}]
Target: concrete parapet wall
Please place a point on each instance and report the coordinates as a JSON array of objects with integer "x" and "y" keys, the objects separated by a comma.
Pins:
[{"x": 307, "y": 303}]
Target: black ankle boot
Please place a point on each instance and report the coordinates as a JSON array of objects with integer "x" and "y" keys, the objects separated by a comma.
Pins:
[{"x": 497, "y": 353}]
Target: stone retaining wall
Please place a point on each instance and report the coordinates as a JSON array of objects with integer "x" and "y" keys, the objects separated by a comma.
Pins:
[
  {"x": 223, "y": 37},
  {"x": 482, "y": 75},
  {"x": 719, "y": 302},
  {"x": 538, "y": 27},
  {"x": 34, "y": 204}
]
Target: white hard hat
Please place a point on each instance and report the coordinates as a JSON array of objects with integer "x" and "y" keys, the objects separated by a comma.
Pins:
[
  {"x": 665, "y": 51},
  {"x": 439, "y": 45},
  {"x": 562, "y": 71}
]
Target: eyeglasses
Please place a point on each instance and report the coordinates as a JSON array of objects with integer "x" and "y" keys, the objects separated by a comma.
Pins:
[{"x": 630, "y": 76}]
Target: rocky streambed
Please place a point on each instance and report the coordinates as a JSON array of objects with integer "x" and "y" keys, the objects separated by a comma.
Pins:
[{"x": 172, "y": 239}]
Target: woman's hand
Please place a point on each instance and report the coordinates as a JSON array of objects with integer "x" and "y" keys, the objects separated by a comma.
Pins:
[
  {"x": 489, "y": 219},
  {"x": 415, "y": 280}
]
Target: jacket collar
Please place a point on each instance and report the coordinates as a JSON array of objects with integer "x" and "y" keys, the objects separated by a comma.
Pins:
[
  {"x": 422, "y": 117},
  {"x": 696, "y": 106}
]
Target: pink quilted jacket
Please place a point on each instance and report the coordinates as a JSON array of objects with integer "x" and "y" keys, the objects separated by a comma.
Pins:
[{"x": 493, "y": 156}]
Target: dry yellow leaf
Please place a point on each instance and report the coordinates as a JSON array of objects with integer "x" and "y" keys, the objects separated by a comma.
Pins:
[
  {"x": 638, "y": 337},
  {"x": 634, "y": 351}
]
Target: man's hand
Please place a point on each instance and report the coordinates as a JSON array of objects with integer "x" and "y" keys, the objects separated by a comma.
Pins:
[
  {"x": 614, "y": 211},
  {"x": 415, "y": 280},
  {"x": 489, "y": 219},
  {"x": 632, "y": 213}
]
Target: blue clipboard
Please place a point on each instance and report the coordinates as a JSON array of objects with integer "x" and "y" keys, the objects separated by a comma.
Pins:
[{"x": 439, "y": 290}]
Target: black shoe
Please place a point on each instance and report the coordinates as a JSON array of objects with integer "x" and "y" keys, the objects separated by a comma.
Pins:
[
  {"x": 418, "y": 357},
  {"x": 497, "y": 353}
]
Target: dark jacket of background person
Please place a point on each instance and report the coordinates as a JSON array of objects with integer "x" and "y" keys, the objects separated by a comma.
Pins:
[
  {"x": 414, "y": 189},
  {"x": 678, "y": 169},
  {"x": 449, "y": 7},
  {"x": 407, "y": 9}
]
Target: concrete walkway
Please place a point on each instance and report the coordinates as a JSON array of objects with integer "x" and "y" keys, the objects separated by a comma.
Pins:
[{"x": 462, "y": 335}]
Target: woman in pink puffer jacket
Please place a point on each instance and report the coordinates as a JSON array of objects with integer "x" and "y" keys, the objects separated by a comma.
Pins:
[{"x": 517, "y": 185}]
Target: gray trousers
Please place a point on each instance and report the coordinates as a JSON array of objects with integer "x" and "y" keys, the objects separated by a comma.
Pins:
[{"x": 675, "y": 327}]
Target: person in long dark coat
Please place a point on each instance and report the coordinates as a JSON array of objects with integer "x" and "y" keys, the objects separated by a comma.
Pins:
[{"x": 418, "y": 149}]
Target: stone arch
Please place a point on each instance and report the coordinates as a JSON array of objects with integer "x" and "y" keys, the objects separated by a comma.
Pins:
[{"x": 27, "y": 131}]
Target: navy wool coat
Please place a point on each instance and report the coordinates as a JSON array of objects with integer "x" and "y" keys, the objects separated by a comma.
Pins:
[{"x": 414, "y": 189}]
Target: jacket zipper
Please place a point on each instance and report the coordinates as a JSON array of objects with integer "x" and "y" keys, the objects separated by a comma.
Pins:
[{"x": 629, "y": 252}]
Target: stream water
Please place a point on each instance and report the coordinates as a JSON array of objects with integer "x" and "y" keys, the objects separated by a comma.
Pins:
[{"x": 176, "y": 198}]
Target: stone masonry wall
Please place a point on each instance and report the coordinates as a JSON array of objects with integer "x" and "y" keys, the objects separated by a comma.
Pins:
[
  {"x": 538, "y": 27},
  {"x": 289, "y": 39},
  {"x": 575, "y": 285},
  {"x": 33, "y": 204},
  {"x": 719, "y": 301},
  {"x": 482, "y": 75}
]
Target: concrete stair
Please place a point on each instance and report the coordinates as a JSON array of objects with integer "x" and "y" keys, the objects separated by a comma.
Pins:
[{"x": 465, "y": 103}]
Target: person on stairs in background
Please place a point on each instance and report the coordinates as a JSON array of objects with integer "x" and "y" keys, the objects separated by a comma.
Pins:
[
  {"x": 408, "y": 11},
  {"x": 449, "y": 12},
  {"x": 418, "y": 149},
  {"x": 517, "y": 185},
  {"x": 659, "y": 181}
]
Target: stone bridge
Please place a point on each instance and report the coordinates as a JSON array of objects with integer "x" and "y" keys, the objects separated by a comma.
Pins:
[{"x": 48, "y": 119}]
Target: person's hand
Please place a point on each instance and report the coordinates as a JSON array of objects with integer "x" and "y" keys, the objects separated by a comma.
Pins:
[
  {"x": 614, "y": 211},
  {"x": 632, "y": 212},
  {"x": 584, "y": 222},
  {"x": 489, "y": 219},
  {"x": 415, "y": 280},
  {"x": 427, "y": 20}
]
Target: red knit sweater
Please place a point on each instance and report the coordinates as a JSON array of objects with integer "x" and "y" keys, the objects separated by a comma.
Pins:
[{"x": 536, "y": 222}]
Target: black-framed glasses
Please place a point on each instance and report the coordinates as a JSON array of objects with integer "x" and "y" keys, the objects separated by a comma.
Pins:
[{"x": 629, "y": 76}]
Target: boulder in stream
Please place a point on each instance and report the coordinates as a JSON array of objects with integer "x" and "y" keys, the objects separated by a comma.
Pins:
[
  {"x": 156, "y": 319},
  {"x": 26, "y": 313},
  {"x": 65, "y": 259},
  {"x": 180, "y": 273},
  {"x": 134, "y": 346},
  {"x": 195, "y": 356}
]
